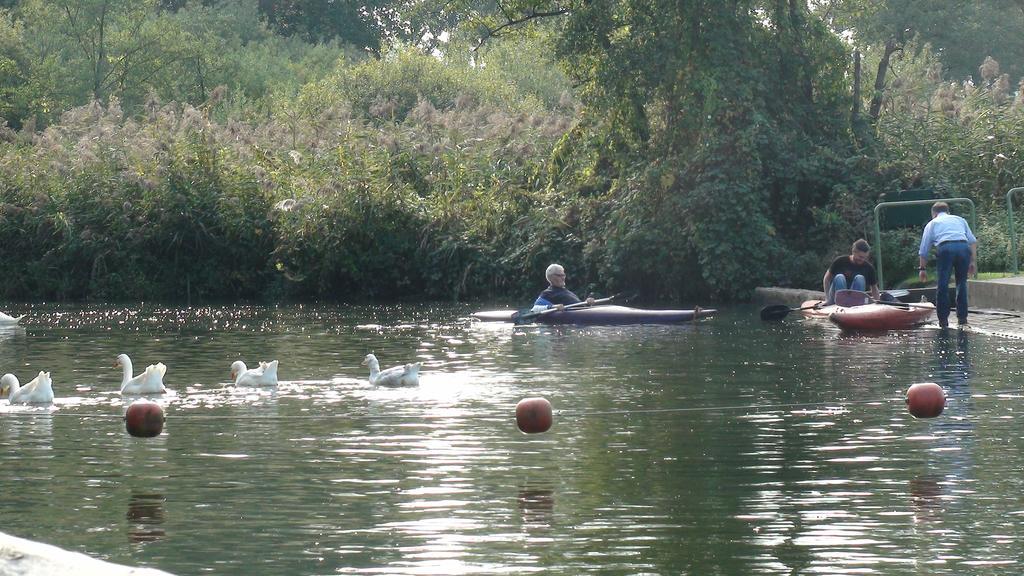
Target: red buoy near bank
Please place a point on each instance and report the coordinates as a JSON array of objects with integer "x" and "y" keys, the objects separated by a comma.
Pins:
[
  {"x": 144, "y": 419},
  {"x": 926, "y": 400},
  {"x": 534, "y": 415}
]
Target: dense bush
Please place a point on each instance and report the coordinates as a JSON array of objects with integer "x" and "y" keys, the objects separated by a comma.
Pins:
[
  {"x": 962, "y": 139},
  {"x": 103, "y": 207},
  {"x": 245, "y": 164},
  {"x": 176, "y": 205}
]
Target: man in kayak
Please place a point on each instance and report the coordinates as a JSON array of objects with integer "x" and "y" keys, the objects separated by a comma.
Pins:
[
  {"x": 852, "y": 272},
  {"x": 956, "y": 250},
  {"x": 556, "y": 295}
]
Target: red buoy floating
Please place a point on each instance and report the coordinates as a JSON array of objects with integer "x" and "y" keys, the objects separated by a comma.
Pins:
[
  {"x": 144, "y": 419},
  {"x": 533, "y": 415},
  {"x": 926, "y": 400}
]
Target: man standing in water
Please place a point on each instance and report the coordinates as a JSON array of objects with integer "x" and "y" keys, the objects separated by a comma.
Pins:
[
  {"x": 956, "y": 250},
  {"x": 556, "y": 294}
]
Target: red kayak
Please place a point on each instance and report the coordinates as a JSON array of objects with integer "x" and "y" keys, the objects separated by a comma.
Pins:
[
  {"x": 817, "y": 309},
  {"x": 895, "y": 316}
]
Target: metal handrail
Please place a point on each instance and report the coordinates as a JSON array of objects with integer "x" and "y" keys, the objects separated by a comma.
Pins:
[
  {"x": 1012, "y": 228},
  {"x": 878, "y": 227}
]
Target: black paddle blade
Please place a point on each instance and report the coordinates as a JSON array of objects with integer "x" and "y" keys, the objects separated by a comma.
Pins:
[{"x": 775, "y": 312}]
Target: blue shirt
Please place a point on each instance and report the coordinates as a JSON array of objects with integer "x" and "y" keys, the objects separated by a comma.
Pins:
[
  {"x": 553, "y": 296},
  {"x": 945, "y": 228}
]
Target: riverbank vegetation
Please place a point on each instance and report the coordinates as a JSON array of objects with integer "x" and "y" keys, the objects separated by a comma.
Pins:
[{"x": 690, "y": 150}]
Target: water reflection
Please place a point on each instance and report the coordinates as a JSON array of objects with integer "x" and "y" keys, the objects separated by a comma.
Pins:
[
  {"x": 953, "y": 359},
  {"x": 952, "y": 446},
  {"x": 146, "y": 517},
  {"x": 8, "y": 332},
  {"x": 770, "y": 449},
  {"x": 926, "y": 496},
  {"x": 536, "y": 505},
  {"x": 27, "y": 426}
]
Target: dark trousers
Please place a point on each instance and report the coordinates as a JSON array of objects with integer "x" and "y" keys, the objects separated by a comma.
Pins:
[{"x": 952, "y": 257}]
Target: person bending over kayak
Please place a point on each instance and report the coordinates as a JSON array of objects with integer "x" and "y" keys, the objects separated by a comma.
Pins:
[
  {"x": 556, "y": 295},
  {"x": 956, "y": 254},
  {"x": 852, "y": 271}
]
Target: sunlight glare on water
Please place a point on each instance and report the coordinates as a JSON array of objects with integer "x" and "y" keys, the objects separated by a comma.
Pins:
[{"x": 732, "y": 446}]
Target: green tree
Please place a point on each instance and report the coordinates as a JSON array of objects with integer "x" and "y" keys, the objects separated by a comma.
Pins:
[
  {"x": 710, "y": 132},
  {"x": 962, "y": 33},
  {"x": 98, "y": 49},
  {"x": 108, "y": 35},
  {"x": 368, "y": 25},
  {"x": 14, "y": 69},
  {"x": 33, "y": 85},
  {"x": 58, "y": 54}
]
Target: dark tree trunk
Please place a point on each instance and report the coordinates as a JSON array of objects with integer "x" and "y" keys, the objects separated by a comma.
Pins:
[
  {"x": 855, "y": 111},
  {"x": 891, "y": 46}
]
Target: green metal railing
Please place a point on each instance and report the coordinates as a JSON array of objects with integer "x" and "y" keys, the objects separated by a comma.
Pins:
[
  {"x": 878, "y": 228},
  {"x": 1012, "y": 228}
]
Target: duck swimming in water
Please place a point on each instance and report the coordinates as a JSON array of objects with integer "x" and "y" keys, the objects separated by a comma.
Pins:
[
  {"x": 149, "y": 382},
  {"x": 38, "y": 391},
  {"x": 408, "y": 375},
  {"x": 263, "y": 375}
]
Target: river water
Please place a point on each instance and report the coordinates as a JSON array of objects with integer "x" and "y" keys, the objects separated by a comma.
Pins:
[{"x": 731, "y": 446}]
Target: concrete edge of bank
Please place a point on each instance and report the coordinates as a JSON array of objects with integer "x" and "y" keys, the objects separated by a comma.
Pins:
[
  {"x": 21, "y": 557},
  {"x": 787, "y": 296}
]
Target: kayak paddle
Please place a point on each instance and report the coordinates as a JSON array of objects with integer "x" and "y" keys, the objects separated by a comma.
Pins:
[
  {"x": 525, "y": 317},
  {"x": 912, "y": 305},
  {"x": 849, "y": 298},
  {"x": 779, "y": 311}
]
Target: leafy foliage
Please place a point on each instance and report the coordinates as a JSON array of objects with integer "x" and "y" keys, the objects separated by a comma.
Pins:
[
  {"x": 676, "y": 93},
  {"x": 362, "y": 24},
  {"x": 685, "y": 150},
  {"x": 965, "y": 33},
  {"x": 177, "y": 205},
  {"x": 56, "y": 54}
]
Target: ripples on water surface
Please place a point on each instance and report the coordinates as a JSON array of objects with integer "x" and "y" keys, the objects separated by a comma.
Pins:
[{"x": 733, "y": 446}]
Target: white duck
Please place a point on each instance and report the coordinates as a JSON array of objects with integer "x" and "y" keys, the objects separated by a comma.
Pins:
[
  {"x": 408, "y": 375},
  {"x": 149, "y": 382},
  {"x": 6, "y": 320},
  {"x": 264, "y": 375},
  {"x": 38, "y": 391}
]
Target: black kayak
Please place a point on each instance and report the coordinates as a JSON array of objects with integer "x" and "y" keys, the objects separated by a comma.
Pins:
[{"x": 606, "y": 315}]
